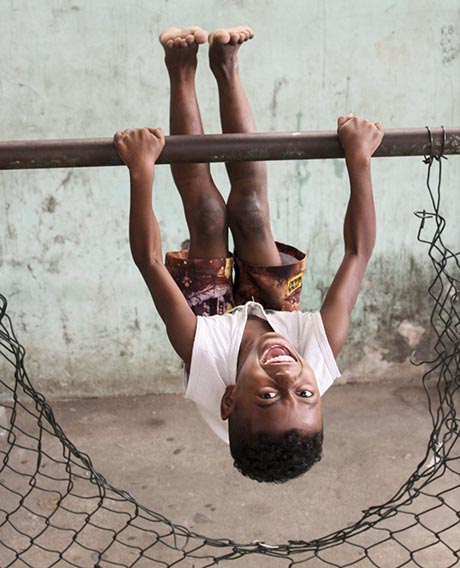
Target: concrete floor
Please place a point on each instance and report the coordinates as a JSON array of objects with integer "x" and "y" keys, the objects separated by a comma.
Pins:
[{"x": 158, "y": 449}]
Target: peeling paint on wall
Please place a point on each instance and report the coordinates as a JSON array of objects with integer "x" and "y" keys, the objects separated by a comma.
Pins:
[
  {"x": 450, "y": 43},
  {"x": 411, "y": 332}
]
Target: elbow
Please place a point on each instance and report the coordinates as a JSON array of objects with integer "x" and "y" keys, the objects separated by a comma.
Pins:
[
  {"x": 363, "y": 251},
  {"x": 146, "y": 261},
  {"x": 361, "y": 243},
  {"x": 368, "y": 248}
]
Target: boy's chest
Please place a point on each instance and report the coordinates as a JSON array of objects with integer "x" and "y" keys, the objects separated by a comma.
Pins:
[{"x": 255, "y": 327}]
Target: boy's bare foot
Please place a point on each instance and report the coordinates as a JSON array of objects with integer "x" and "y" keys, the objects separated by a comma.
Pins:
[
  {"x": 181, "y": 46},
  {"x": 225, "y": 42}
]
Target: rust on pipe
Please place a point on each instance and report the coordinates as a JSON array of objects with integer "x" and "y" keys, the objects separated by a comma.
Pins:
[{"x": 92, "y": 152}]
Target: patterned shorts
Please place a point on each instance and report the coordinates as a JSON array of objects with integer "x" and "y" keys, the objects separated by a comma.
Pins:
[{"x": 209, "y": 289}]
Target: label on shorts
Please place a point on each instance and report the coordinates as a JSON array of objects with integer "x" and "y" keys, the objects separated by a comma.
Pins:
[
  {"x": 228, "y": 267},
  {"x": 294, "y": 284}
]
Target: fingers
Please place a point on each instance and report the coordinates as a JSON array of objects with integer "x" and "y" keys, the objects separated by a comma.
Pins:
[
  {"x": 131, "y": 132},
  {"x": 157, "y": 132},
  {"x": 139, "y": 145},
  {"x": 120, "y": 135},
  {"x": 343, "y": 119}
]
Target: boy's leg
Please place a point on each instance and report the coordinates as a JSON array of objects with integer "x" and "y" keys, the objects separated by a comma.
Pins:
[
  {"x": 247, "y": 205},
  {"x": 204, "y": 207}
]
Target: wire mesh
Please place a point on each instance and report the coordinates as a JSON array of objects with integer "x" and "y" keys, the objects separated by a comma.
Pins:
[{"x": 57, "y": 510}]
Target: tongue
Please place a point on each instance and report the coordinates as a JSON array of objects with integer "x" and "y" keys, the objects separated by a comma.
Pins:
[{"x": 276, "y": 352}]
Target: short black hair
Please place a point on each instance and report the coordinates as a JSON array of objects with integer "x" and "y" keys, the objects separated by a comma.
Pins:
[{"x": 266, "y": 457}]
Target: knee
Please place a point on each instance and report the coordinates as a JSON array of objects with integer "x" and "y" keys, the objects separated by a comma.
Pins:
[
  {"x": 210, "y": 218},
  {"x": 249, "y": 218}
]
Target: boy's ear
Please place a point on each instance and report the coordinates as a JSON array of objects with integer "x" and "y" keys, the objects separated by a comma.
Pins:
[{"x": 227, "y": 403}]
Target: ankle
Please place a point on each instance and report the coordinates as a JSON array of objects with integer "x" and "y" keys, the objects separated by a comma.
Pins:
[
  {"x": 224, "y": 70},
  {"x": 181, "y": 73}
]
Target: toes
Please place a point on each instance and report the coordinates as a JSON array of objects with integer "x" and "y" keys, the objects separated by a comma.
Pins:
[
  {"x": 232, "y": 36},
  {"x": 238, "y": 36},
  {"x": 235, "y": 38},
  {"x": 246, "y": 33},
  {"x": 180, "y": 42},
  {"x": 176, "y": 38},
  {"x": 201, "y": 35},
  {"x": 197, "y": 35},
  {"x": 167, "y": 35},
  {"x": 219, "y": 36}
]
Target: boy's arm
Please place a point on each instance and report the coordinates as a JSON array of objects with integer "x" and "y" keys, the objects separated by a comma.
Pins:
[
  {"x": 359, "y": 139},
  {"x": 139, "y": 149}
]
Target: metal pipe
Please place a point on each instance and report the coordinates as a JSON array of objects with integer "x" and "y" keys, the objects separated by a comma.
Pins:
[{"x": 90, "y": 152}]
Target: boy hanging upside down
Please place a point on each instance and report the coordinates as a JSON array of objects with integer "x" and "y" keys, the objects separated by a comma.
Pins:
[{"x": 252, "y": 359}]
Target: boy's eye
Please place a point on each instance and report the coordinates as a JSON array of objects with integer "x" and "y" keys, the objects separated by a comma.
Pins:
[
  {"x": 305, "y": 394},
  {"x": 267, "y": 395}
]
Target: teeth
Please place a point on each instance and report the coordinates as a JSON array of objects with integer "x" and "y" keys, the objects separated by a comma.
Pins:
[{"x": 280, "y": 359}]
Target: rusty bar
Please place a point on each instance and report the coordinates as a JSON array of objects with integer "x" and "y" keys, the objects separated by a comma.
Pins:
[{"x": 91, "y": 152}]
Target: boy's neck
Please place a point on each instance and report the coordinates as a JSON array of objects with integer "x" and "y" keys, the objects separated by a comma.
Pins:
[{"x": 254, "y": 328}]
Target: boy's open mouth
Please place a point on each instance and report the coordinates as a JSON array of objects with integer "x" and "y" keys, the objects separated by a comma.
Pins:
[{"x": 277, "y": 354}]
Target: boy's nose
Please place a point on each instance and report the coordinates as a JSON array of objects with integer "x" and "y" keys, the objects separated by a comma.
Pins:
[{"x": 287, "y": 373}]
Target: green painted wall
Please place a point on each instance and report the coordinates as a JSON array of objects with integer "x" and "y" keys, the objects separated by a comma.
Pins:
[{"x": 87, "y": 68}]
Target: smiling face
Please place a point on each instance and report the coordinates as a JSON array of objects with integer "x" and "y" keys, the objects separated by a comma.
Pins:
[{"x": 276, "y": 390}]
